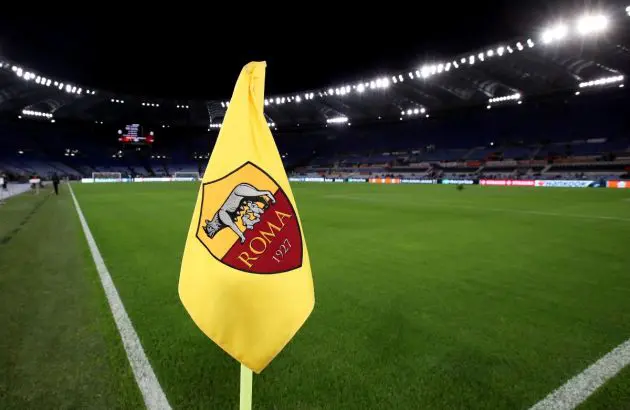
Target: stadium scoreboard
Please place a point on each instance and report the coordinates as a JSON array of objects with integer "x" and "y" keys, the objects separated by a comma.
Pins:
[{"x": 133, "y": 135}]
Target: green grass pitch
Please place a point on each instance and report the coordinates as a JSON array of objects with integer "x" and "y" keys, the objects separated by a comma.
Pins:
[{"x": 426, "y": 297}]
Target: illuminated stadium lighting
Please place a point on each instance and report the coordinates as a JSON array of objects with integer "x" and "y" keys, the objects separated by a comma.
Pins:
[
  {"x": 602, "y": 81},
  {"x": 530, "y": 43},
  {"x": 298, "y": 99},
  {"x": 447, "y": 67},
  {"x": 471, "y": 60},
  {"x": 480, "y": 56},
  {"x": 117, "y": 101},
  {"x": 455, "y": 64},
  {"x": 500, "y": 51},
  {"x": 214, "y": 125},
  {"x": 337, "y": 120},
  {"x": 509, "y": 49},
  {"x": 512, "y": 97},
  {"x": 425, "y": 71},
  {"x": 33, "y": 113},
  {"x": 413, "y": 111},
  {"x": 628, "y": 10},
  {"x": 555, "y": 33},
  {"x": 592, "y": 24},
  {"x": 577, "y": 93},
  {"x": 490, "y": 53},
  {"x": 463, "y": 60},
  {"x": 19, "y": 72}
]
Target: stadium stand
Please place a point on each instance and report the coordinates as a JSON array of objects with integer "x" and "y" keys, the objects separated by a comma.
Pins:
[{"x": 524, "y": 108}]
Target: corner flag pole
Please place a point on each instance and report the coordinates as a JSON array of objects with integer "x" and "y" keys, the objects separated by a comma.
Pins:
[{"x": 246, "y": 388}]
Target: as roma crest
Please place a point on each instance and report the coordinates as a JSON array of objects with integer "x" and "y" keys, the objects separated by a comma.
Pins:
[{"x": 248, "y": 223}]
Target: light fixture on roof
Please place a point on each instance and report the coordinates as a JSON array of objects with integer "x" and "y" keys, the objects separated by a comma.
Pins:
[
  {"x": 490, "y": 53},
  {"x": 590, "y": 24},
  {"x": 530, "y": 43},
  {"x": 471, "y": 60},
  {"x": 425, "y": 71},
  {"x": 337, "y": 120},
  {"x": 33, "y": 113},
  {"x": 511, "y": 97},
  {"x": 413, "y": 111},
  {"x": 602, "y": 81},
  {"x": 509, "y": 49},
  {"x": 480, "y": 56},
  {"x": 519, "y": 46},
  {"x": 360, "y": 88},
  {"x": 555, "y": 33},
  {"x": 455, "y": 64},
  {"x": 447, "y": 67}
]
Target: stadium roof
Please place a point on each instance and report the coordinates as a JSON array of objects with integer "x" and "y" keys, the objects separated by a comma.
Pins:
[{"x": 573, "y": 55}]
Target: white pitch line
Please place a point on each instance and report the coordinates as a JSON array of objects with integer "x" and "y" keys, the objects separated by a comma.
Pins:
[
  {"x": 575, "y": 391},
  {"x": 154, "y": 397}
]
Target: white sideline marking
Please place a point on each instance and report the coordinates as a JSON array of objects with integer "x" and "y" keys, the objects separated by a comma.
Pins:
[
  {"x": 516, "y": 211},
  {"x": 154, "y": 397},
  {"x": 575, "y": 391}
]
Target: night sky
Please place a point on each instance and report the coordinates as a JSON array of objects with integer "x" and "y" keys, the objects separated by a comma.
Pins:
[{"x": 199, "y": 53}]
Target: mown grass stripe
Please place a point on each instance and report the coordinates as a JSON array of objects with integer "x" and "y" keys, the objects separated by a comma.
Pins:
[{"x": 154, "y": 397}]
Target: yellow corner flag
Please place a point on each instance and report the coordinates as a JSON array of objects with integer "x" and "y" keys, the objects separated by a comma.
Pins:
[{"x": 246, "y": 277}]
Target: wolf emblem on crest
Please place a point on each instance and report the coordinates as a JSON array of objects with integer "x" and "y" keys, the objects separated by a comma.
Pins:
[{"x": 242, "y": 201}]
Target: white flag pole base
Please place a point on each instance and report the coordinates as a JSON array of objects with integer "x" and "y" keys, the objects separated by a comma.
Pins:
[{"x": 246, "y": 388}]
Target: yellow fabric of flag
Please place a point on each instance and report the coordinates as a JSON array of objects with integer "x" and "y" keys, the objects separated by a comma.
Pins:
[{"x": 245, "y": 277}]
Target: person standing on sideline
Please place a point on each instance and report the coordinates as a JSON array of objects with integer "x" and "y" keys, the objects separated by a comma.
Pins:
[{"x": 55, "y": 181}]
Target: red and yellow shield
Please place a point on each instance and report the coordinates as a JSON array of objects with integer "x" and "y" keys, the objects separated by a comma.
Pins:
[{"x": 248, "y": 223}]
